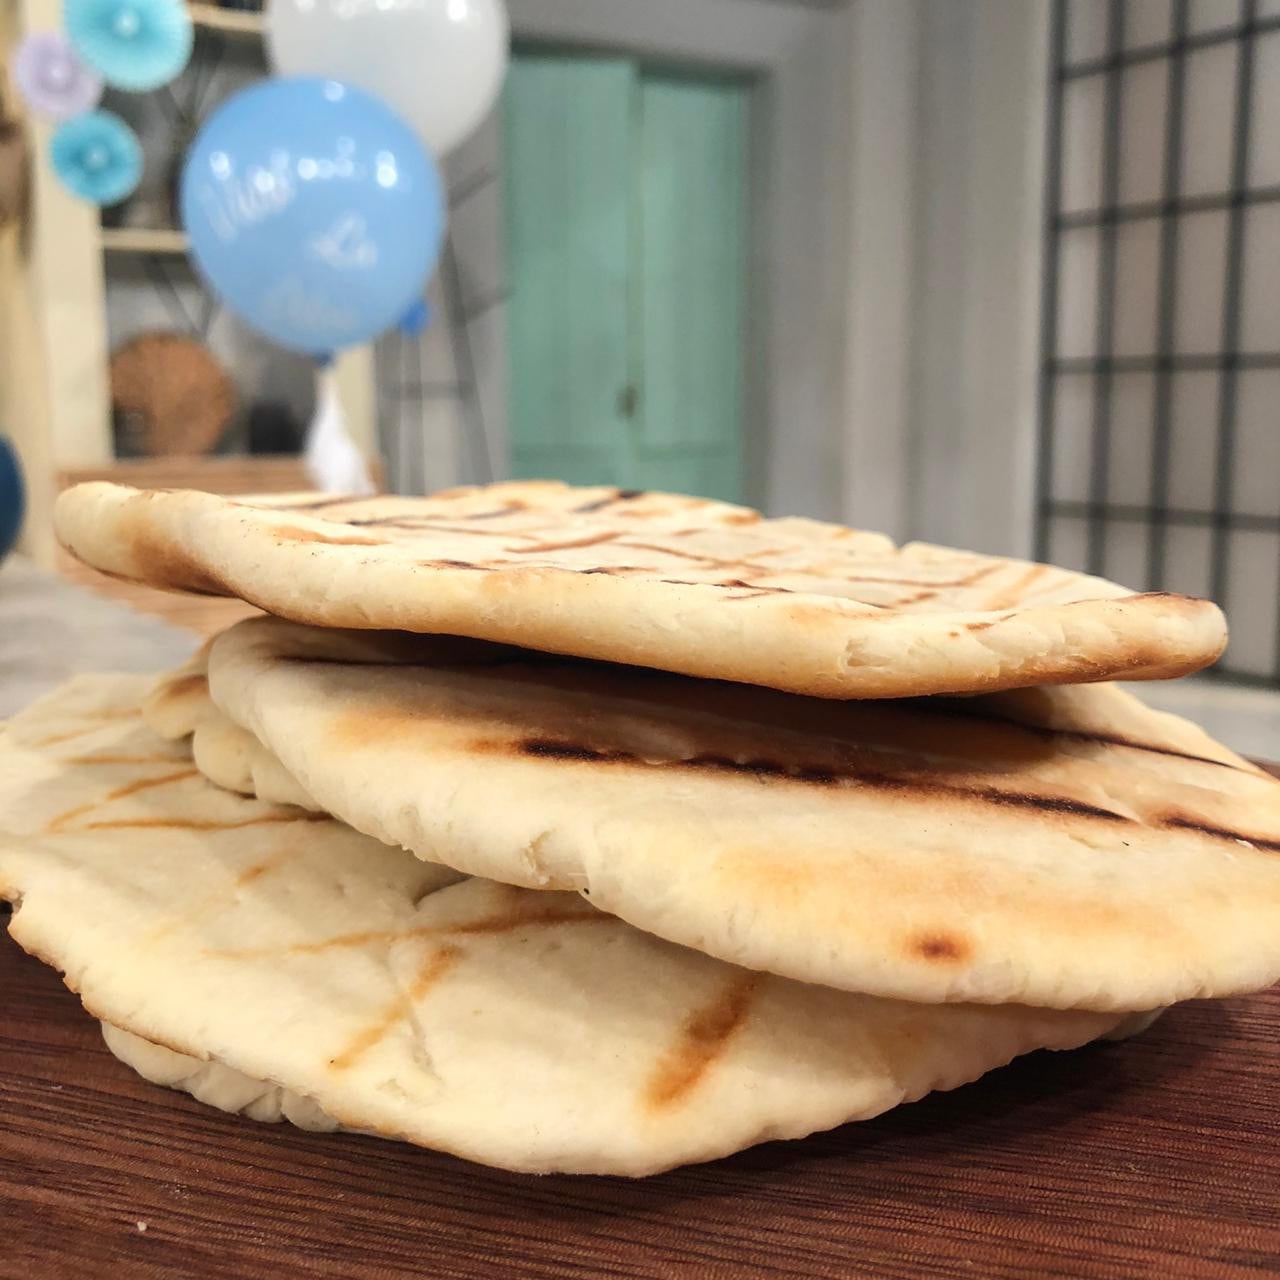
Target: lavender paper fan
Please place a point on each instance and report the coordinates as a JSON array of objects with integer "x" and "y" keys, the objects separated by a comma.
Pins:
[{"x": 51, "y": 77}]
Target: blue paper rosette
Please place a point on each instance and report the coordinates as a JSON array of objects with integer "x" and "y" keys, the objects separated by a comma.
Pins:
[
  {"x": 137, "y": 45},
  {"x": 97, "y": 156}
]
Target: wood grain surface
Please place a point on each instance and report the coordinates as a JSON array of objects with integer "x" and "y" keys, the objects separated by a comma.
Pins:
[{"x": 1156, "y": 1157}]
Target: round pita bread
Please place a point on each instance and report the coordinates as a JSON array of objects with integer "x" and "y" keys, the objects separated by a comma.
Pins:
[
  {"x": 525, "y": 1030},
  {"x": 1063, "y": 847},
  {"x": 678, "y": 584}
]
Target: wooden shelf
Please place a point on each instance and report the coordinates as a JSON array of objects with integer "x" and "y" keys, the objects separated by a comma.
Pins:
[
  {"x": 232, "y": 22},
  {"x": 225, "y": 474},
  {"x": 143, "y": 240}
]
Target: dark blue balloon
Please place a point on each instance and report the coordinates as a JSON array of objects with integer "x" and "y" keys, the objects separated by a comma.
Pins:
[
  {"x": 415, "y": 322},
  {"x": 12, "y": 499},
  {"x": 314, "y": 212}
]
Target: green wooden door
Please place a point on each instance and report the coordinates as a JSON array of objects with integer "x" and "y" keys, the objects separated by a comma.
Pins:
[
  {"x": 568, "y": 138},
  {"x": 626, "y": 241},
  {"x": 692, "y": 240}
]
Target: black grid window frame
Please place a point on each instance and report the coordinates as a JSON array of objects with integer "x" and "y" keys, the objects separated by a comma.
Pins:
[{"x": 1100, "y": 516}]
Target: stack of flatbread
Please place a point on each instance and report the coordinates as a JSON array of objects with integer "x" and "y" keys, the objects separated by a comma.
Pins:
[{"x": 597, "y": 831}]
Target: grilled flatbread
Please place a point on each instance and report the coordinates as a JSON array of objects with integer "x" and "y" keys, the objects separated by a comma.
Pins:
[
  {"x": 678, "y": 584},
  {"x": 175, "y": 704},
  {"x": 341, "y": 982},
  {"x": 1060, "y": 847},
  {"x": 217, "y": 1085},
  {"x": 233, "y": 758}
]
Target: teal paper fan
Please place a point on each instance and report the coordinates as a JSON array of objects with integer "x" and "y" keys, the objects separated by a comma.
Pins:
[
  {"x": 97, "y": 157},
  {"x": 135, "y": 44}
]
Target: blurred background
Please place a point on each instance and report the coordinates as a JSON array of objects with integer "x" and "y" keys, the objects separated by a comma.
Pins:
[{"x": 997, "y": 273}]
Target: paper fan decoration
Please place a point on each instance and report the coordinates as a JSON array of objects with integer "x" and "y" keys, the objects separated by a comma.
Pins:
[
  {"x": 51, "y": 77},
  {"x": 135, "y": 44},
  {"x": 97, "y": 156}
]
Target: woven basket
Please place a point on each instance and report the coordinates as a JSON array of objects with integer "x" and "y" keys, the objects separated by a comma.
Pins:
[{"x": 169, "y": 395}]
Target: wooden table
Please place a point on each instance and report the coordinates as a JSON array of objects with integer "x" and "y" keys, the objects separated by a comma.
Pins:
[{"x": 1158, "y": 1157}]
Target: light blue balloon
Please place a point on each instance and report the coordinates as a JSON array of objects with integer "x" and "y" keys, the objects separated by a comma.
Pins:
[{"x": 313, "y": 211}]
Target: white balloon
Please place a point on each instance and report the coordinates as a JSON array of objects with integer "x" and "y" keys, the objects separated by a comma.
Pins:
[{"x": 438, "y": 63}]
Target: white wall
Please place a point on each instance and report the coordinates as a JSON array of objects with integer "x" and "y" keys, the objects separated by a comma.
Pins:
[
  {"x": 880, "y": 45},
  {"x": 946, "y": 117},
  {"x": 896, "y": 266},
  {"x": 976, "y": 297},
  {"x": 796, "y": 298}
]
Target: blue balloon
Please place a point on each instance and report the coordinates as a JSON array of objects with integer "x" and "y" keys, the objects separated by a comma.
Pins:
[
  {"x": 313, "y": 211},
  {"x": 12, "y": 502},
  {"x": 415, "y": 322}
]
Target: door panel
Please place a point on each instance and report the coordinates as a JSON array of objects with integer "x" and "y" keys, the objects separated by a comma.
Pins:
[
  {"x": 692, "y": 240},
  {"x": 626, "y": 241},
  {"x": 568, "y": 145}
]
